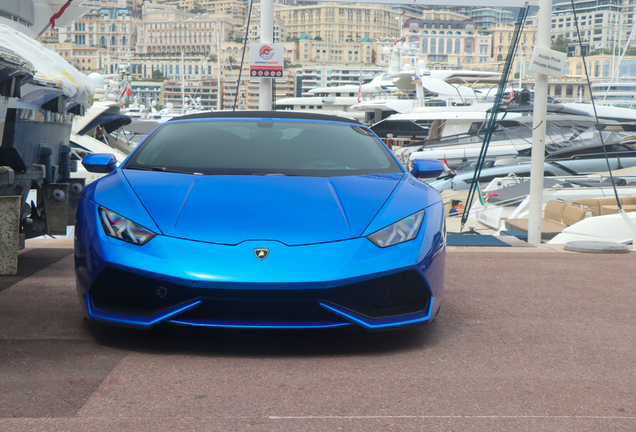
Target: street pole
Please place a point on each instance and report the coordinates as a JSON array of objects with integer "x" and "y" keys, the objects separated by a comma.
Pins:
[
  {"x": 544, "y": 28},
  {"x": 267, "y": 36}
]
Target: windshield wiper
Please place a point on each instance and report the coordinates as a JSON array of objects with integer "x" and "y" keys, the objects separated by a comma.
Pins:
[
  {"x": 271, "y": 174},
  {"x": 161, "y": 169}
]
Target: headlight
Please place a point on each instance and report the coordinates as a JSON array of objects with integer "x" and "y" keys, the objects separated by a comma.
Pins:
[
  {"x": 121, "y": 228},
  {"x": 399, "y": 232}
]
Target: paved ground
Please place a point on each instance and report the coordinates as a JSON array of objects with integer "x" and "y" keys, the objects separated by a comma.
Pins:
[{"x": 529, "y": 339}]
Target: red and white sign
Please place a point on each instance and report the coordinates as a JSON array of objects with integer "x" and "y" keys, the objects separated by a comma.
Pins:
[{"x": 267, "y": 60}]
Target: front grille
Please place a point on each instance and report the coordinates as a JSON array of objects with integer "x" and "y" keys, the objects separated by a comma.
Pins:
[
  {"x": 124, "y": 292},
  {"x": 261, "y": 311},
  {"x": 396, "y": 294}
]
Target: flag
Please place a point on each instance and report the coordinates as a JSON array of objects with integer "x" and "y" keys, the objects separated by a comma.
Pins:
[
  {"x": 59, "y": 13},
  {"x": 125, "y": 91},
  {"x": 511, "y": 95},
  {"x": 359, "y": 92}
]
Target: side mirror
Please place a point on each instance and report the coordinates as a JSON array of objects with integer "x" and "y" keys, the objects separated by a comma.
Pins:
[
  {"x": 427, "y": 168},
  {"x": 100, "y": 163}
]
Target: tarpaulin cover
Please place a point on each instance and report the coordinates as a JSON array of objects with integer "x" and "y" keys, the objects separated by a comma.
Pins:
[
  {"x": 110, "y": 122},
  {"x": 50, "y": 66}
]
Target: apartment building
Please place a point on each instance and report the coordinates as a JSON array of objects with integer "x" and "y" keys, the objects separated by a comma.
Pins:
[
  {"x": 165, "y": 29},
  {"x": 197, "y": 92},
  {"x": 310, "y": 77},
  {"x": 86, "y": 59},
  {"x": 485, "y": 17},
  {"x": 602, "y": 24},
  {"x": 236, "y": 9},
  {"x": 112, "y": 4},
  {"x": 501, "y": 41},
  {"x": 334, "y": 52},
  {"x": 112, "y": 29},
  {"x": 445, "y": 43},
  {"x": 338, "y": 22},
  {"x": 254, "y": 30}
]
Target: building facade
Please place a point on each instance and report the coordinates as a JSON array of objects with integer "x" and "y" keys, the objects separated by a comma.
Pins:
[
  {"x": 235, "y": 9},
  {"x": 335, "y": 53},
  {"x": 340, "y": 22},
  {"x": 486, "y": 17},
  {"x": 603, "y": 25},
  {"x": 448, "y": 43},
  {"x": 112, "y": 29},
  {"x": 168, "y": 30}
]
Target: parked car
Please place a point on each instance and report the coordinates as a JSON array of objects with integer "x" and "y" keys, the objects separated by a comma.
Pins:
[{"x": 260, "y": 219}]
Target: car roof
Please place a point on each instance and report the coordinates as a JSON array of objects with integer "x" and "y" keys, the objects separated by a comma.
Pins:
[{"x": 285, "y": 114}]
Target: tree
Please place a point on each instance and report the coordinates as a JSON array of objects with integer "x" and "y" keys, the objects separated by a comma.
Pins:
[
  {"x": 373, "y": 56},
  {"x": 600, "y": 51},
  {"x": 157, "y": 75},
  {"x": 196, "y": 8},
  {"x": 231, "y": 60},
  {"x": 561, "y": 43},
  {"x": 318, "y": 38},
  {"x": 238, "y": 39},
  {"x": 213, "y": 58}
]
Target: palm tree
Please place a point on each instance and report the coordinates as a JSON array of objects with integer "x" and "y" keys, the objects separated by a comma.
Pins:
[{"x": 231, "y": 60}]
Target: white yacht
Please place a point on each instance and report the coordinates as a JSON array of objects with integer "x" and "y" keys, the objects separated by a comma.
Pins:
[{"x": 403, "y": 87}]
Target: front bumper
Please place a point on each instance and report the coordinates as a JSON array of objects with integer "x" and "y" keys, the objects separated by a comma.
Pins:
[{"x": 312, "y": 286}]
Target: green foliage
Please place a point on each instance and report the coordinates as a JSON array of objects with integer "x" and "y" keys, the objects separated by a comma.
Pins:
[
  {"x": 196, "y": 8},
  {"x": 318, "y": 38},
  {"x": 157, "y": 75},
  {"x": 561, "y": 43},
  {"x": 600, "y": 51},
  {"x": 213, "y": 58},
  {"x": 238, "y": 39}
]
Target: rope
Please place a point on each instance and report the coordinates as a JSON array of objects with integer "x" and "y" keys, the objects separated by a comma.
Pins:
[{"x": 247, "y": 32}]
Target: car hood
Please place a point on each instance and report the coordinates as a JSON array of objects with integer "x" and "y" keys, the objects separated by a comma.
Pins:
[{"x": 233, "y": 209}]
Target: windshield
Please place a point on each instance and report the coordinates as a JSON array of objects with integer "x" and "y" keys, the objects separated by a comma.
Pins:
[{"x": 263, "y": 147}]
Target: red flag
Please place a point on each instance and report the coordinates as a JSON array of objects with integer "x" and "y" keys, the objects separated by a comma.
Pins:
[
  {"x": 359, "y": 92},
  {"x": 511, "y": 95},
  {"x": 129, "y": 90},
  {"x": 59, "y": 13}
]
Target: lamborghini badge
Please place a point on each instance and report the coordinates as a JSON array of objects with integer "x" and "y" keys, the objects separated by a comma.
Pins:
[{"x": 261, "y": 253}]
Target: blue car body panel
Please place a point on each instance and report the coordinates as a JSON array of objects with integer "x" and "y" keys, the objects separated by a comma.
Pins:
[
  {"x": 203, "y": 258},
  {"x": 292, "y": 210}
]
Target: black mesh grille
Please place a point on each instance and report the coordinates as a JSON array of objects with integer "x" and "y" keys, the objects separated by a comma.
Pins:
[
  {"x": 119, "y": 291},
  {"x": 124, "y": 292},
  {"x": 391, "y": 295}
]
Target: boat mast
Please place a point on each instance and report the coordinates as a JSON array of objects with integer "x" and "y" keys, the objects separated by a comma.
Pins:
[
  {"x": 218, "y": 64},
  {"x": 182, "y": 85}
]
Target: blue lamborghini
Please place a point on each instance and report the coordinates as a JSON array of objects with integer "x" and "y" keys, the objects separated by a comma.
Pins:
[{"x": 260, "y": 219}]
